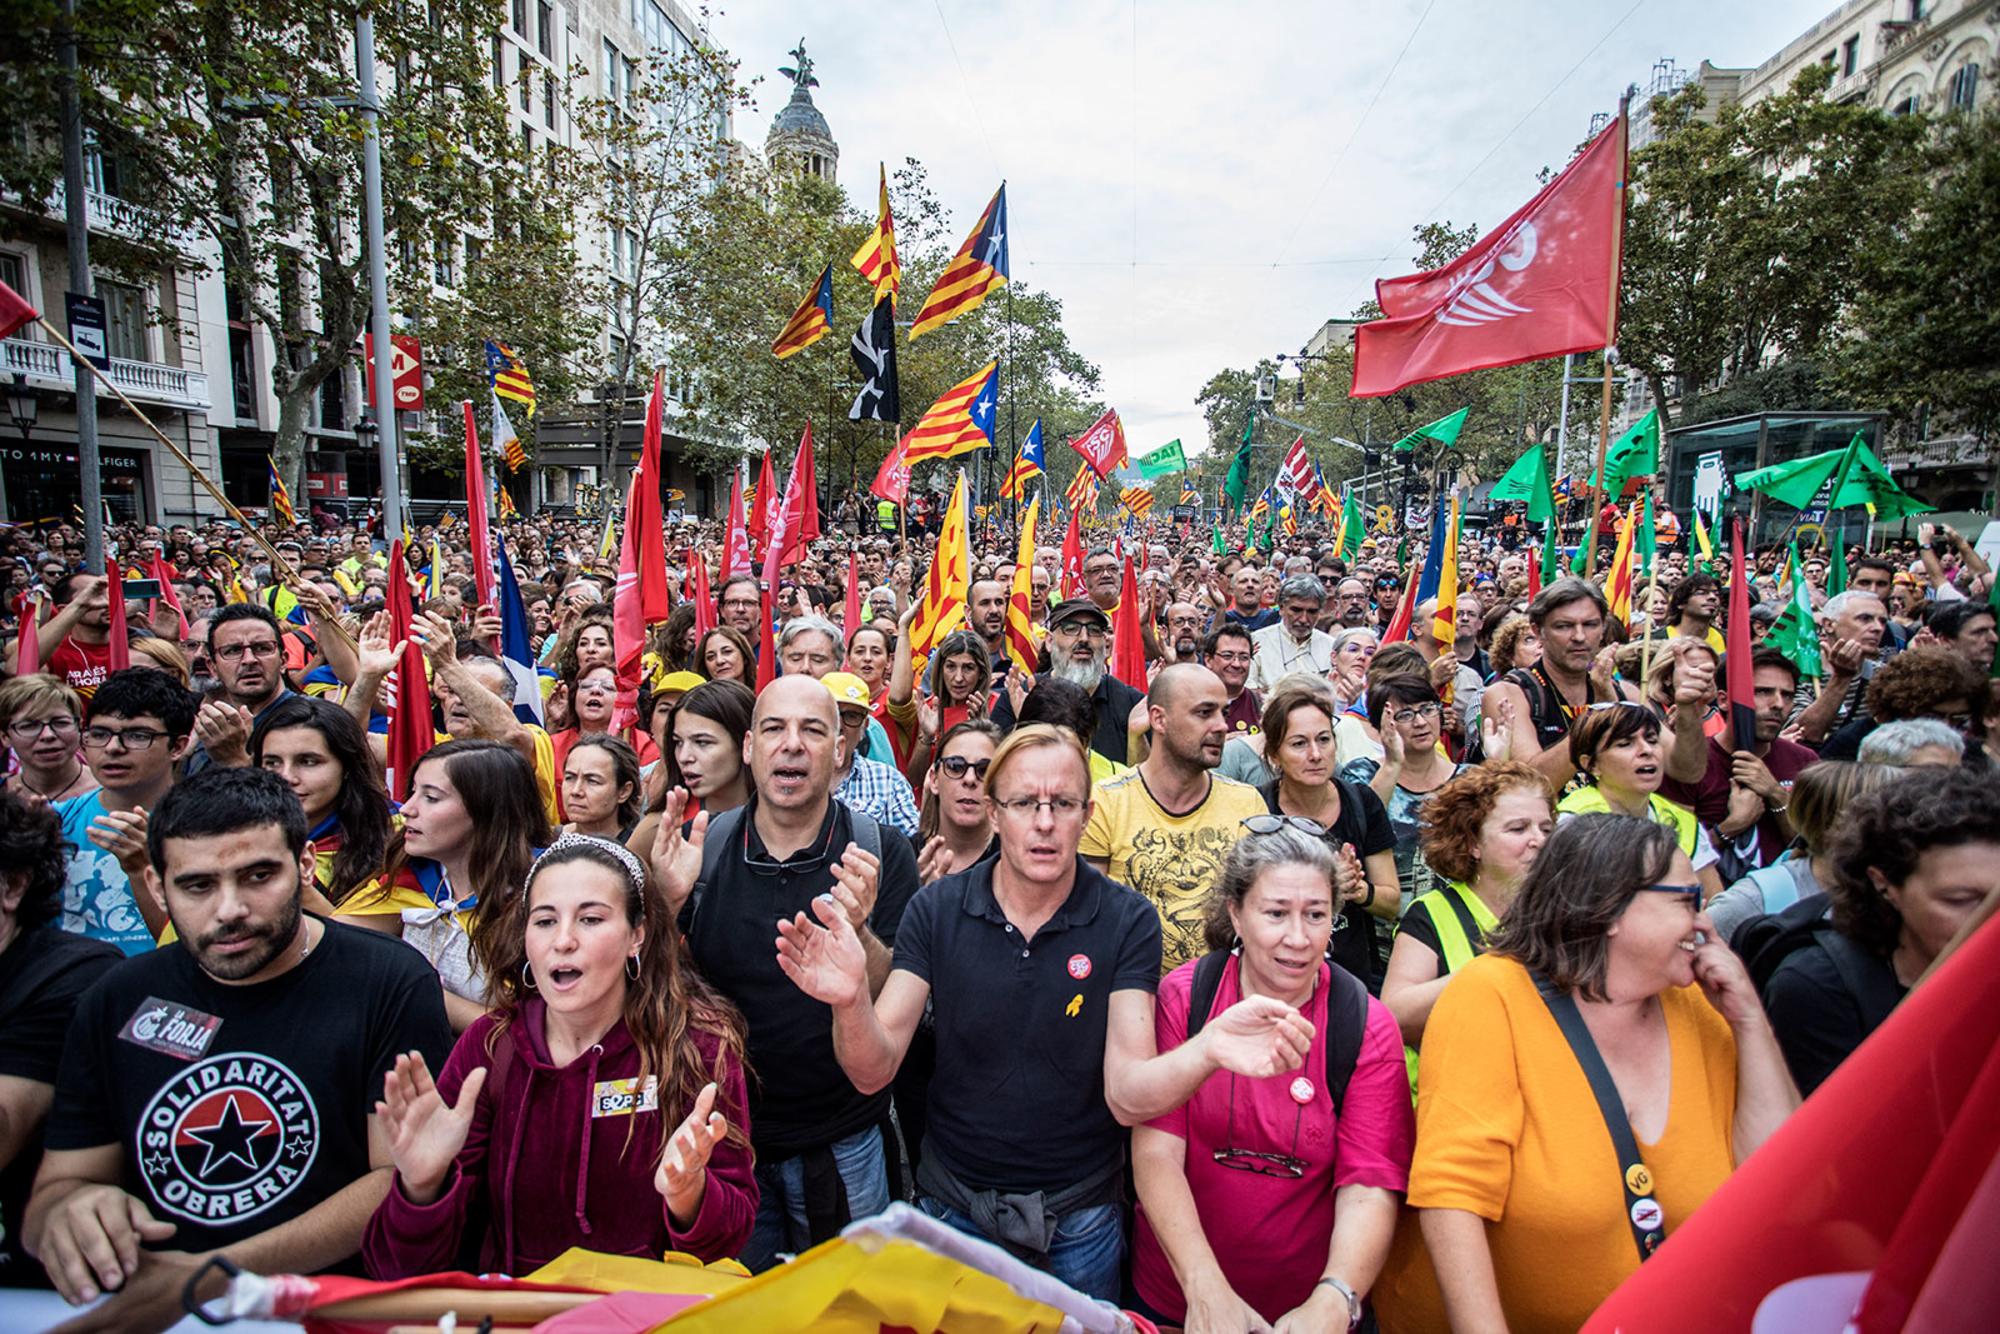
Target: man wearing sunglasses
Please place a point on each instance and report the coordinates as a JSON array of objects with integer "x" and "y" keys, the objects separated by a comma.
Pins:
[{"x": 135, "y": 726}]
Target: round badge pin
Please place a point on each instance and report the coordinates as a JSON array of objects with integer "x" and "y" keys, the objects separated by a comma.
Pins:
[
  {"x": 1638, "y": 1180},
  {"x": 1646, "y": 1214},
  {"x": 1079, "y": 966},
  {"x": 1302, "y": 1090}
]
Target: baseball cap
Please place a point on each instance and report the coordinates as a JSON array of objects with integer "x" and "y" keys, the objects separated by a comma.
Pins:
[
  {"x": 848, "y": 689},
  {"x": 1075, "y": 607},
  {"x": 681, "y": 681}
]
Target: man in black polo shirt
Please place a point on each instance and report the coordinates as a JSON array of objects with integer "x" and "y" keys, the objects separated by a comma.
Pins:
[
  {"x": 1041, "y": 973},
  {"x": 820, "y": 1162},
  {"x": 215, "y": 1095}
]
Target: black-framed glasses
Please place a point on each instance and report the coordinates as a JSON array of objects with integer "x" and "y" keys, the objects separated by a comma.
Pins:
[
  {"x": 955, "y": 766},
  {"x": 1257, "y": 1160},
  {"x": 1271, "y": 824},
  {"x": 131, "y": 738},
  {"x": 28, "y": 729},
  {"x": 1687, "y": 891},
  {"x": 1429, "y": 709},
  {"x": 233, "y": 652}
]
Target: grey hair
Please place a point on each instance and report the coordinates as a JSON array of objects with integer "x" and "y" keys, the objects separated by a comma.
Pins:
[
  {"x": 1249, "y": 858},
  {"x": 1342, "y": 638},
  {"x": 1894, "y": 743},
  {"x": 1840, "y": 602},
  {"x": 810, "y": 625},
  {"x": 1303, "y": 586}
]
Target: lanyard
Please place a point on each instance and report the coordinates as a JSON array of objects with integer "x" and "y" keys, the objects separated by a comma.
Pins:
[{"x": 1569, "y": 712}]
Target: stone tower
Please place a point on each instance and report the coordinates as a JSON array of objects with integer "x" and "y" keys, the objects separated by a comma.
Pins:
[{"x": 800, "y": 139}]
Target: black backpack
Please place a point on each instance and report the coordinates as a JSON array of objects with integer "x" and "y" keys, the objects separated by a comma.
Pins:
[
  {"x": 1346, "y": 1017},
  {"x": 1763, "y": 943}
]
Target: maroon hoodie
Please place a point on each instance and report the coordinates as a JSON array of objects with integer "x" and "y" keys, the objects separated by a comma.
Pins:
[{"x": 547, "y": 1164}]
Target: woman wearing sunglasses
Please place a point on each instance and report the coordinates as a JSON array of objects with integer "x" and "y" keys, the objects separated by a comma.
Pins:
[
  {"x": 955, "y": 824},
  {"x": 1538, "y": 1186},
  {"x": 1271, "y": 1202},
  {"x": 1299, "y": 746},
  {"x": 1615, "y": 746}
]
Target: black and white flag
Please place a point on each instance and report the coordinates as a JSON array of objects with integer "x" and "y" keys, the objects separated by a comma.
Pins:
[{"x": 874, "y": 353}]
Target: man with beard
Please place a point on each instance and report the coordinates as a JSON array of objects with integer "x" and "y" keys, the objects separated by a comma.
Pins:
[
  {"x": 1164, "y": 828},
  {"x": 1183, "y": 632},
  {"x": 986, "y": 614},
  {"x": 738, "y": 603},
  {"x": 1533, "y": 706},
  {"x": 246, "y": 649},
  {"x": 189, "y": 1118},
  {"x": 1079, "y": 649},
  {"x": 1743, "y": 794},
  {"x": 1350, "y": 600},
  {"x": 1296, "y": 643}
]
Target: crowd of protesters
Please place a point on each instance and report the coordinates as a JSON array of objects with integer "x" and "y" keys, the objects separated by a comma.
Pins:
[{"x": 1276, "y": 990}]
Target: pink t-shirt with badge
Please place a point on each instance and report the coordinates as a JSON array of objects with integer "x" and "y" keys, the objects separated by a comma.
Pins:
[{"x": 1270, "y": 1233}]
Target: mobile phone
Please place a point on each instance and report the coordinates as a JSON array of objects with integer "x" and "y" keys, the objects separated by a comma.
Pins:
[{"x": 141, "y": 588}]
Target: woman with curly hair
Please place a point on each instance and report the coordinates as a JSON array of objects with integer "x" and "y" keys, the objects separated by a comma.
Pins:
[
  {"x": 616, "y": 1078},
  {"x": 1911, "y": 864},
  {"x": 1923, "y": 681}
]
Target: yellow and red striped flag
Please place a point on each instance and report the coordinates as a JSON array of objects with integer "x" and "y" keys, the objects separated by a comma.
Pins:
[
  {"x": 1136, "y": 499},
  {"x": 961, "y": 419},
  {"x": 507, "y": 510},
  {"x": 1618, "y": 583},
  {"x": 979, "y": 266},
  {"x": 508, "y": 376},
  {"x": 1081, "y": 493},
  {"x": 1021, "y": 646},
  {"x": 281, "y": 498},
  {"x": 810, "y": 321},
  {"x": 945, "y": 587},
  {"x": 877, "y": 257}
]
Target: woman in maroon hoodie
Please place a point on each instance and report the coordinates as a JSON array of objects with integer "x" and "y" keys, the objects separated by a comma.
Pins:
[{"x": 548, "y": 1127}]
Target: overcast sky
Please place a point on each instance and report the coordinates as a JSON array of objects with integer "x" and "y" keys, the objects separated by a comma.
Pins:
[{"x": 1202, "y": 184}]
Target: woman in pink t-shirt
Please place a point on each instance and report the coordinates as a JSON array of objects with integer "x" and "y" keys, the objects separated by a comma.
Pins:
[{"x": 1257, "y": 1201}]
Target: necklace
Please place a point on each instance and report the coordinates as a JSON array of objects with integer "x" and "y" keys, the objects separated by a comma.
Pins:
[{"x": 51, "y": 796}]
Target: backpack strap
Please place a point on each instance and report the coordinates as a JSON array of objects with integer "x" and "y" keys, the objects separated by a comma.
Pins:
[
  {"x": 721, "y": 831},
  {"x": 867, "y": 832},
  {"x": 1207, "y": 980},
  {"x": 1867, "y": 979}
]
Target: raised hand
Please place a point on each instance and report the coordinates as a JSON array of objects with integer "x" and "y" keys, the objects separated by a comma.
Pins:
[
  {"x": 224, "y": 731},
  {"x": 123, "y": 835},
  {"x": 1444, "y": 669},
  {"x": 425, "y": 1133},
  {"x": 1018, "y": 685},
  {"x": 856, "y": 876},
  {"x": 677, "y": 858},
  {"x": 825, "y": 961},
  {"x": 1257, "y": 1037},
  {"x": 1845, "y": 658},
  {"x": 375, "y": 653},
  {"x": 1496, "y": 727},
  {"x": 683, "y": 1174},
  {"x": 1604, "y": 671},
  {"x": 1395, "y": 749},
  {"x": 436, "y": 636},
  {"x": 1350, "y": 879},
  {"x": 928, "y": 714},
  {"x": 934, "y": 862}
]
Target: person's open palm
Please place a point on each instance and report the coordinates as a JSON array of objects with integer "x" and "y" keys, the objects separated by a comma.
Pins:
[
  {"x": 688, "y": 1149},
  {"x": 1259, "y": 1036},
  {"x": 826, "y": 961},
  {"x": 677, "y": 857},
  {"x": 425, "y": 1132}
]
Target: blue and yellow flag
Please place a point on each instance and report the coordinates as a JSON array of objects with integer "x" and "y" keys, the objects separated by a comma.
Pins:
[
  {"x": 961, "y": 420},
  {"x": 281, "y": 499},
  {"x": 508, "y": 376},
  {"x": 1027, "y": 466},
  {"x": 976, "y": 270},
  {"x": 810, "y": 321}
]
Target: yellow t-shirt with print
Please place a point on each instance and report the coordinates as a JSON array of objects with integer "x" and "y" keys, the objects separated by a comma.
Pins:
[{"x": 1171, "y": 859}]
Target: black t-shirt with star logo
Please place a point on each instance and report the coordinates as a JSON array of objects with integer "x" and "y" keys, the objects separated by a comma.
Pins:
[{"x": 241, "y": 1107}]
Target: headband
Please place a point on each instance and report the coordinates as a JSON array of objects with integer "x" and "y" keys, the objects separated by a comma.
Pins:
[{"x": 634, "y": 871}]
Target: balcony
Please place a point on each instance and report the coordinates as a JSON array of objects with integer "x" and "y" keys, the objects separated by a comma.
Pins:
[
  {"x": 48, "y": 367},
  {"x": 1948, "y": 451},
  {"x": 114, "y": 217}
]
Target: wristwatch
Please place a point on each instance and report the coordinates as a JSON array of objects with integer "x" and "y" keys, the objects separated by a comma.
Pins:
[{"x": 1353, "y": 1298}]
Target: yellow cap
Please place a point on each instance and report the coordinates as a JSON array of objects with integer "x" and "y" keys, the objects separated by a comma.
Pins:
[
  {"x": 847, "y": 689},
  {"x": 681, "y": 681}
]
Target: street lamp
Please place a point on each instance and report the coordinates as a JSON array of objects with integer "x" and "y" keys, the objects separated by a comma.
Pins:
[{"x": 23, "y": 406}]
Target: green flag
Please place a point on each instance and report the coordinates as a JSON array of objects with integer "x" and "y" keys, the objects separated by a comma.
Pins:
[
  {"x": 1858, "y": 478},
  {"x": 1551, "y": 557},
  {"x": 1795, "y": 634},
  {"x": 1352, "y": 531},
  {"x": 1633, "y": 454},
  {"x": 1836, "y": 568},
  {"x": 1529, "y": 480},
  {"x": 1238, "y": 480},
  {"x": 1162, "y": 462},
  {"x": 1215, "y": 536},
  {"x": 1444, "y": 430},
  {"x": 1647, "y": 543}
]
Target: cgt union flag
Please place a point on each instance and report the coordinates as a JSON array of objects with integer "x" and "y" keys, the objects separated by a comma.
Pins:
[{"x": 1543, "y": 283}]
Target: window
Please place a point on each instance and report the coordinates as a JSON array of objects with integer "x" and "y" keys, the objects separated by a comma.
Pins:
[
  {"x": 617, "y": 353},
  {"x": 444, "y": 265},
  {"x": 475, "y": 250},
  {"x": 1850, "y": 56},
  {"x": 521, "y": 17},
  {"x": 549, "y": 100},
  {"x": 527, "y": 82},
  {"x": 1964, "y": 87},
  {"x": 14, "y": 272},
  {"x": 125, "y": 320},
  {"x": 499, "y": 63},
  {"x": 608, "y": 75},
  {"x": 1906, "y": 107},
  {"x": 545, "y": 29},
  {"x": 527, "y": 146}
]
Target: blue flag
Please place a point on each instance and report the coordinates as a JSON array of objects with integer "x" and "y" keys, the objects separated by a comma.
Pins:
[
  {"x": 517, "y": 643},
  {"x": 1433, "y": 575}
]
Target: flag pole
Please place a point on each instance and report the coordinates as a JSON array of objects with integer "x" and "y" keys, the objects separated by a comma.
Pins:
[
  {"x": 1617, "y": 267},
  {"x": 1013, "y": 443}
]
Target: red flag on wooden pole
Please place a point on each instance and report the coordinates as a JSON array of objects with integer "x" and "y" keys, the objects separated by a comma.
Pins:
[
  {"x": 699, "y": 594},
  {"x": 735, "y": 542},
  {"x": 656, "y": 600},
  {"x": 1072, "y": 556},
  {"x": 1739, "y": 680},
  {"x": 1128, "y": 648},
  {"x": 120, "y": 637},
  {"x": 28, "y": 658},
  {"x": 410, "y": 729},
  {"x": 475, "y": 513}
]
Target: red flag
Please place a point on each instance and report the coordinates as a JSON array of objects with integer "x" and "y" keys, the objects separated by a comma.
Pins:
[
  {"x": 1128, "y": 647},
  {"x": 764, "y": 505},
  {"x": 1103, "y": 445},
  {"x": 15, "y": 312},
  {"x": 628, "y": 609},
  {"x": 1543, "y": 283},
  {"x": 1296, "y": 471},
  {"x": 120, "y": 638},
  {"x": 735, "y": 544},
  {"x": 892, "y": 479},
  {"x": 698, "y": 593},
  {"x": 410, "y": 729},
  {"x": 1739, "y": 679},
  {"x": 850, "y": 612},
  {"x": 475, "y": 514},
  {"x": 29, "y": 609},
  {"x": 1878, "y": 1186},
  {"x": 767, "y": 650},
  {"x": 657, "y": 600},
  {"x": 797, "y": 520},
  {"x": 1072, "y": 557},
  {"x": 1406, "y": 609},
  {"x": 158, "y": 570}
]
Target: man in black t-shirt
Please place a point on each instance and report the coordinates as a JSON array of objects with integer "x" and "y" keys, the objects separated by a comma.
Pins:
[
  {"x": 43, "y": 972},
  {"x": 215, "y": 1094},
  {"x": 820, "y": 1157}
]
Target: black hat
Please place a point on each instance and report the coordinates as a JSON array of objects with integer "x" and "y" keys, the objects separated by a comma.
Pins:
[{"x": 1075, "y": 607}]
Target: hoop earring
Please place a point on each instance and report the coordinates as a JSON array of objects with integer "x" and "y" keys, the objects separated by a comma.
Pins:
[
  {"x": 527, "y": 977},
  {"x": 632, "y": 967}
]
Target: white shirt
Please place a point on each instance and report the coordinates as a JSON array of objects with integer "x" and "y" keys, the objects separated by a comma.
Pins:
[{"x": 1277, "y": 654}]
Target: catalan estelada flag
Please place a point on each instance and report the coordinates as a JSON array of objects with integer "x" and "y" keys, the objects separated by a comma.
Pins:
[
  {"x": 1189, "y": 496},
  {"x": 281, "y": 499},
  {"x": 961, "y": 420},
  {"x": 877, "y": 257},
  {"x": 1262, "y": 509},
  {"x": 1027, "y": 465},
  {"x": 508, "y": 376},
  {"x": 979, "y": 266},
  {"x": 810, "y": 321}
]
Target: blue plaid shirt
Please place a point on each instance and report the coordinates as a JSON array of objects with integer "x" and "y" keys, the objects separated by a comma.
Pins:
[{"x": 880, "y": 792}]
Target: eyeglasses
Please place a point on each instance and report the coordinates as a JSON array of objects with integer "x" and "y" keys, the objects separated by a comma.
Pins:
[
  {"x": 955, "y": 766},
  {"x": 1687, "y": 891},
  {"x": 1416, "y": 712},
  {"x": 1231, "y": 658},
  {"x": 1028, "y": 807},
  {"x": 1256, "y": 1160},
  {"x": 29, "y": 728},
  {"x": 233, "y": 652},
  {"x": 131, "y": 738},
  {"x": 1075, "y": 629},
  {"x": 1271, "y": 824}
]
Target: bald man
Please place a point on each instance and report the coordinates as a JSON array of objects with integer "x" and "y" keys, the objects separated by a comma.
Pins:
[
  {"x": 820, "y": 1156},
  {"x": 986, "y": 614}
]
